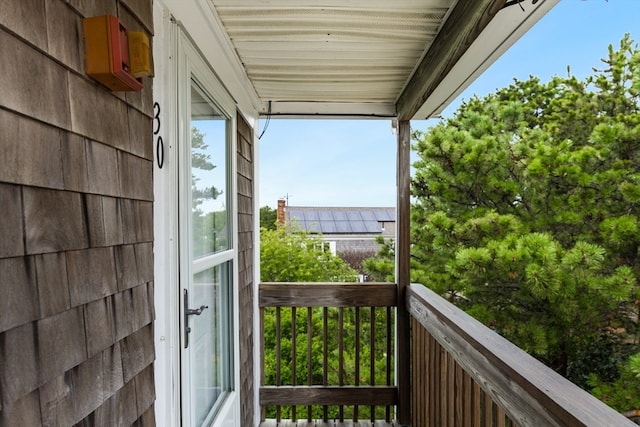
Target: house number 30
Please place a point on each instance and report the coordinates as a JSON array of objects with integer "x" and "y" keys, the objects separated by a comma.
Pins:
[{"x": 156, "y": 131}]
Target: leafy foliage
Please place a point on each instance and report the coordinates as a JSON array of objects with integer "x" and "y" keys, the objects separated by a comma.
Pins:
[
  {"x": 288, "y": 254},
  {"x": 526, "y": 214},
  {"x": 526, "y": 208},
  {"x": 268, "y": 217},
  {"x": 382, "y": 267},
  {"x": 622, "y": 394}
]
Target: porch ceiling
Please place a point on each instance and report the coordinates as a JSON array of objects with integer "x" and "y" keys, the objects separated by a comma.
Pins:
[{"x": 366, "y": 57}]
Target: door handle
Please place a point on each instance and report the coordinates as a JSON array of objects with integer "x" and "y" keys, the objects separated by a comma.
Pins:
[
  {"x": 196, "y": 311},
  {"x": 189, "y": 312}
]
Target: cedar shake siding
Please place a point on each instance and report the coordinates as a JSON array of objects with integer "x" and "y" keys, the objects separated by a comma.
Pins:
[
  {"x": 76, "y": 225},
  {"x": 245, "y": 268}
]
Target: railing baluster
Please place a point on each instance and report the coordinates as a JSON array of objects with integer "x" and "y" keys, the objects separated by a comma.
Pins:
[
  {"x": 433, "y": 381},
  {"x": 467, "y": 385},
  {"x": 294, "y": 356},
  {"x": 500, "y": 417},
  {"x": 422, "y": 355},
  {"x": 451, "y": 387},
  {"x": 341, "y": 357},
  {"x": 477, "y": 408},
  {"x": 278, "y": 358},
  {"x": 437, "y": 376},
  {"x": 442, "y": 358},
  {"x": 487, "y": 404},
  {"x": 372, "y": 358},
  {"x": 309, "y": 359},
  {"x": 389, "y": 359},
  {"x": 357, "y": 357},
  {"x": 459, "y": 395},
  {"x": 262, "y": 373},
  {"x": 325, "y": 350},
  {"x": 417, "y": 381}
]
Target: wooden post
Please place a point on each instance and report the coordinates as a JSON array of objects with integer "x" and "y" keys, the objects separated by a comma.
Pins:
[{"x": 403, "y": 244}]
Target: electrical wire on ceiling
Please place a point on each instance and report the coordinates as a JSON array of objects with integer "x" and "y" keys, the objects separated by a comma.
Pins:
[
  {"x": 518, "y": 2},
  {"x": 266, "y": 123}
]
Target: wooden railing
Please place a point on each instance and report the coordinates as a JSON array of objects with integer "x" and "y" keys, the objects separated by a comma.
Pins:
[
  {"x": 328, "y": 353},
  {"x": 464, "y": 374}
]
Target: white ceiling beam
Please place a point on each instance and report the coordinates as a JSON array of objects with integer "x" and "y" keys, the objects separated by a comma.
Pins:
[{"x": 285, "y": 109}]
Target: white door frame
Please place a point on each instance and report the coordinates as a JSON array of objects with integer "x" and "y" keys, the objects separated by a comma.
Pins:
[{"x": 171, "y": 47}]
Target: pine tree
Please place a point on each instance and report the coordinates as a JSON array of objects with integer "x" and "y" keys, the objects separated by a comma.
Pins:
[{"x": 526, "y": 214}]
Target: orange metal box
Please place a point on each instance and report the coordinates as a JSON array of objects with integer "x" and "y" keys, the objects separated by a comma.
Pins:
[{"x": 107, "y": 53}]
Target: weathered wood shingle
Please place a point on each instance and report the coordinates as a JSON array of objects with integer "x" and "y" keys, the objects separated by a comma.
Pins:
[
  {"x": 19, "y": 301},
  {"x": 19, "y": 363},
  {"x": 92, "y": 275},
  {"x": 54, "y": 221},
  {"x": 76, "y": 254},
  {"x": 94, "y": 219},
  {"x": 137, "y": 352},
  {"x": 61, "y": 343},
  {"x": 139, "y": 129},
  {"x": 53, "y": 283},
  {"x": 99, "y": 325},
  {"x": 144, "y": 261},
  {"x": 64, "y": 45},
  {"x": 11, "y": 226},
  {"x": 135, "y": 177},
  {"x": 136, "y": 226},
  {"x": 22, "y": 91},
  {"x": 126, "y": 267},
  {"x": 27, "y": 19},
  {"x": 245, "y": 186},
  {"x": 102, "y": 167},
  {"x": 112, "y": 217},
  {"x": 74, "y": 163},
  {"x": 24, "y": 411},
  {"x": 37, "y": 159},
  {"x": 96, "y": 114}
]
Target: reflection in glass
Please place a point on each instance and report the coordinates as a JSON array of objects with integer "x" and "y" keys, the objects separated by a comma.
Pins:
[
  {"x": 209, "y": 340},
  {"x": 208, "y": 176}
]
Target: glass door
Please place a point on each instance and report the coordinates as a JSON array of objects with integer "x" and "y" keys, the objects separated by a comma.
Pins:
[{"x": 206, "y": 255}]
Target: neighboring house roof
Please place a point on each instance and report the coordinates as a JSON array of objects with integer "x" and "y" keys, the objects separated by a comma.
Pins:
[{"x": 339, "y": 220}]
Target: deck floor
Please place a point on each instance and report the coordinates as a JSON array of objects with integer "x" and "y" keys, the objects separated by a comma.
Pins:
[{"x": 330, "y": 423}]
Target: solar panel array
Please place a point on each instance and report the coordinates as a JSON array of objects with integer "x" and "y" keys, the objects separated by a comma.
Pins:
[{"x": 340, "y": 220}]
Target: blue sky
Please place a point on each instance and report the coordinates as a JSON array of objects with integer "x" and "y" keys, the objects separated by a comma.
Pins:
[{"x": 352, "y": 163}]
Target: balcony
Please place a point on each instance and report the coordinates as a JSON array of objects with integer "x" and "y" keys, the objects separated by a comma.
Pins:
[{"x": 330, "y": 352}]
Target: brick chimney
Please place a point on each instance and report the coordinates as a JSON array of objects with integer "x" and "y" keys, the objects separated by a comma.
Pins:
[{"x": 280, "y": 213}]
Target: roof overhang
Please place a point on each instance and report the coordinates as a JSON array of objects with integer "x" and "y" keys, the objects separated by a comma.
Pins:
[
  {"x": 500, "y": 34},
  {"x": 353, "y": 58}
]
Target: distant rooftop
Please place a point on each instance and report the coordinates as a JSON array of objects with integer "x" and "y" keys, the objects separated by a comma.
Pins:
[{"x": 340, "y": 220}]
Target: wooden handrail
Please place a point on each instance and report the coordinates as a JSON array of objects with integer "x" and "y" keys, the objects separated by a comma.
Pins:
[
  {"x": 329, "y": 395},
  {"x": 529, "y": 393},
  {"x": 328, "y": 295}
]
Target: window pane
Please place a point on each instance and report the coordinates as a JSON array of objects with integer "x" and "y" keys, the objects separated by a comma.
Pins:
[
  {"x": 208, "y": 176},
  {"x": 210, "y": 340}
]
